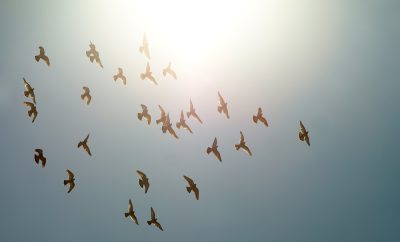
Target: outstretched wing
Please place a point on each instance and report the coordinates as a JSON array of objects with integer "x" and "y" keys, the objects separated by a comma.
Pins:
[
  {"x": 162, "y": 111},
  {"x": 147, "y": 68},
  {"x": 307, "y": 139},
  {"x": 158, "y": 225},
  {"x": 221, "y": 99},
  {"x": 191, "y": 106},
  {"x": 303, "y": 129},
  {"x": 87, "y": 149},
  {"x": 215, "y": 142},
  {"x": 182, "y": 119},
  {"x": 144, "y": 107},
  {"x": 141, "y": 174},
  {"x": 196, "y": 193},
  {"x": 241, "y": 137},
  {"x": 153, "y": 214},
  {"x": 70, "y": 175},
  {"x": 189, "y": 180},
  {"x": 130, "y": 205},
  {"x": 217, "y": 154},
  {"x": 29, "y": 104}
]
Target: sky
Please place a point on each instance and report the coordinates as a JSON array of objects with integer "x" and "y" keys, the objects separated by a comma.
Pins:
[{"x": 334, "y": 65}]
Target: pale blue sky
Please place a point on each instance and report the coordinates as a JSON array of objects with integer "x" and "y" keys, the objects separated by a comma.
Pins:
[{"x": 332, "y": 64}]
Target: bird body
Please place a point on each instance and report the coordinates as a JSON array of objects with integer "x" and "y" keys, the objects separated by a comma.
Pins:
[
  {"x": 120, "y": 75},
  {"x": 86, "y": 94},
  {"x": 40, "y": 157},
  {"x": 70, "y": 181},
  {"x": 192, "y": 187},
  {"x": 163, "y": 115},
  {"x": 182, "y": 123},
  {"x": 192, "y": 112},
  {"x": 131, "y": 213},
  {"x": 242, "y": 145},
  {"x": 93, "y": 54},
  {"x": 153, "y": 220},
  {"x": 214, "y": 150},
  {"x": 144, "y": 114},
  {"x": 168, "y": 70},
  {"x": 42, "y": 56},
  {"x": 148, "y": 74},
  {"x": 145, "y": 47},
  {"x": 303, "y": 134},
  {"x": 260, "y": 117},
  {"x": 143, "y": 181},
  {"x": 167, "y": 126},
  {"x": 29, "y": 91},
  {"x": 223, "y": 107},
  {"x": 85, "y": 145},
  {"x": 32, "y": 110}
]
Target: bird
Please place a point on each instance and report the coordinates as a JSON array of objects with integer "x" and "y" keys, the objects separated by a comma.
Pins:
[
  {"x": 32, "y": 110},
  {"x": 168, "y": 70},
  {"x": 163, "y": 115},
  {"x": 167, "y": 126},
  {"x": 182, "y": 123},
  {"x": 260, "y": 117},
  {"x": 85, "y": 145},
  {"x": 131, "y": 213},
  {"x": 223, "y": 106},
  {"x": 143, "y": 181},
  {"x": 153, "y": 220},
  {"x": 145, "y": 47},
  {"x": 192, "y": 187},
  {"x": 70, "y": 181},
  {"x": 243, "y": 145},
  {"x": 120, "y": 75},
  {"x": 86, "y": 94},
  {"x": 144, "y": 114},
  {"x": 42, "y": 56},
  {"x": 40, "y": 157},
  {"x": 303, "y": 134},
  {"x": 214, "y": 150},
  {"x": 148, "y": 74},
  {"x": 192, "y": 112},
  {"x": 29, "y": 92},
  {"x": 93, "y": 54}
]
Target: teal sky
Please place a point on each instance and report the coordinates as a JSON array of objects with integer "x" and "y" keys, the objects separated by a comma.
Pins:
[{"x": 332, "y": 64}]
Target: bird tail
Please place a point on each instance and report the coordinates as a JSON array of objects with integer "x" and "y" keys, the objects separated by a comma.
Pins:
[
  {"x": 301, "y": 136},
  {"x": 188, "y": 114},
  {"x": 141, "y": 183},
  {"x": 115, "y": 77},
  {"x": 178, "y": 125},
  {"x": 91, "y": 58},
  {"x": 237, "y": 147},
  {"x": 142, "y": 76},
  {"x": 164, "y": 129},
  {"x": 148, "y": 222},
  {"x": 66, "y": 182},
  {"x": 126, "y": 215},
  {"x": 255, "y": 119},
  {"x": 26, "y": 93},
  {"x": 37, "y": 58},
  {"x": 188, "y": 189},
  {"x": 209, "y": 150},
  {"x": 219, "y": 109},
  {"x": 140, "y": 116},
  {"x": 164, "y": 72}
]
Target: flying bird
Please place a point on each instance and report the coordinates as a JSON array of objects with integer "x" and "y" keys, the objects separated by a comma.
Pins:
[
  {"x": 192, "y": 187},
  {"x": 145, "y": 47},
  {"x": 260, "y": 117},
  {"x": 303, "y": 134},
  {"x": 86, "y": 94},
  {"x": 148, "y": 74},
  {"x": 143, "y": 181},
  {"x": 182, "y": 123},
  {"x": 167, "y": 126},
  {"x": 29, "y": 91},
  {"x": 243, "y": 145},
  {"x": 144, "y": 114},
  {"x": 223, "y": 106},
  {"x": 163, "y": 115},
  {"x": 93, "y": 54},
  {"x": 42, "y": 56},
  {"x": 153, "y": 220},
  {"x": 32, "y": 110},
  {"x": 85, "y": 145},
  {"x": 168, "y": 70},
  {"x": 120, "y": 75},
  {"x": 70, "y": 181},
  {"x": 40, "y": 157},
  {"x": 214, "y": 150},
  {"x": 192, "y": 112},
  {"x": 131, "y": 213}
]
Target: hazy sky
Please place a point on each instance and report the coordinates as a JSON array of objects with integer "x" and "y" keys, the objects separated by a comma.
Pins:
[{"x": 332, "y": 64}]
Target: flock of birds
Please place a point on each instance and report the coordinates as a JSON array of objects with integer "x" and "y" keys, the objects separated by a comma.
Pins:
[{"x": 164, "y": 119}]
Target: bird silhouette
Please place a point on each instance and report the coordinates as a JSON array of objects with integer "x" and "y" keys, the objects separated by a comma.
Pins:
[
  {"x": 32, "y": 110},
  {"x": 303, "y": 134},
  {"x": 70, "y": 181},
  {"x": 93, "y": 54},
  {"x": 163, "y": 115},
  {"x": 260, "y": 117},
  {"x": 168, "y": 70},
  {"x": 144, "y": 114},
  {"x": 42, "y": 56},
  {"x": 182, "y": 123},
  {"x": 223, "y": 106},
  {"x": 145, "y": 47},
  {"x": 214, "y": 150},
  {"x": 192, "y": 112},
  {"x": 120, "y": 75},
  {"x": 167, "y": 126},
  {"x": 29, "y": 91},
  {"x": 192, "y": 187},
  {"x": 143, "y": 181},
  {"x": 153, "y": 220},
  {"x": 148, "y": 74},
  {"x": 40, "y": 157},
  {"x": 84, "y": 145},
  {"x": 86, "y": 94},
  {"x": 243, "y": 145},
  {"x": 131, "y": 213}
]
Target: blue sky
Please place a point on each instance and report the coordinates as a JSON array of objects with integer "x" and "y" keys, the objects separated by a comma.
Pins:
[{"x": 334, "y": 65}]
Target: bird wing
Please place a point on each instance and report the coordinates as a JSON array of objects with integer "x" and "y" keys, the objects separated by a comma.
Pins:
[
  {"x": 147, "y": 67},
  {"x": 196, "y": 193},
  {"x": 141, "y": 174},
  {"x": 130, "y": 205},
  {"x": 86, "y": 89},
  {"x": 47, "y": 60},
  {"x": 146, "y": 186},
  {"x": 303, "y": 129},
  {"x": 153, "y": 214},
  {"x": 87, "y": 149},
  {"x": 172, "y": 72},
  {"x": 221, "y": 99},
  {"x": 307, "y": 139},
  {"x": 182, "y": 119},
  {"x": 162, "y": 111},
  {"x": 191, "y": 106},
  {"x": 29, "y": 104},
  {"x": 71, "y": 186},
  {"x": 86, "y": 139},
  {"x": 247, "y": 150},
  {"x": 215, "y": 142},
  {"x": 197, "y": 117},
  {"x": 70, "y": 175},
  {"x": 241, "y": 137},
  {"x": 26, "y": 84},
  {"x": 158, "y": 225},
  {"x": 190, "y": 181},
  {"x": 217, "y": 154},
  {"x": 144, "y": 107}
]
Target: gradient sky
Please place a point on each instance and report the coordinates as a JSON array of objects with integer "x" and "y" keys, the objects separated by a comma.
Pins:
[{"x": 332, "y": 64}]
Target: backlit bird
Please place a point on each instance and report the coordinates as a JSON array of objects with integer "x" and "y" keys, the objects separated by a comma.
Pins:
[
  {"x": 214, "y": 150},
  {"x": 145, "y": 47},
  {"x": 70, "y": 181},
  {"x": 182, "y": 123},
  {"x": 260, "y": 117},
  {"x": 86, "y": 94},
  {"x": 148, "y": 74},
  {"x": 131, "y": 213},
  {"x": 223, "y": 106},
  {"x": 167, "y": 126},
  {"x": 93, "y": 54},
  {"x": 143, "y": 181},
  {"x": 85, "y": 145},
  {"x": 32, "y": 110},
  {"x": 153, "y": 220},
  {"x": 243, "y": 145},
  {"x": 42, "y": 56},
  {"x": 163, "y": 115},
  {"x": 29, "y": 91},
  {"x": 303, "y": 134},
  {"x": 120, "y": 75},
  {"x": 168, "y": 70},
  {"x": 144, "y": 114},
  {"x": 192, "y": 112},
  {"x": 40, "y": 157},
  {"x": 192, "y": 187}
]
